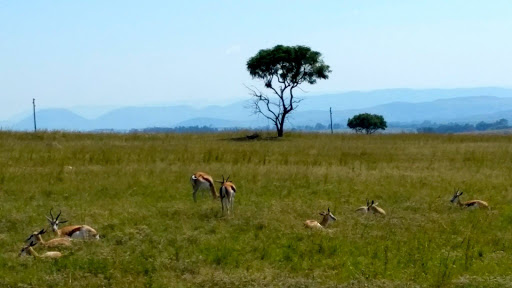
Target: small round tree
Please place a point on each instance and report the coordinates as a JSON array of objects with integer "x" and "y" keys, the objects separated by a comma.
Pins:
[{"x": 369, "y": 123}]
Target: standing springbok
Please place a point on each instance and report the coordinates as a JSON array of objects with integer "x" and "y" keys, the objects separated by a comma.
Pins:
[
  {"x": 202, "y": 180},
  {"x": 371, "y": 207},
  {"x": 227, "y": 194},
  {"x": 27, "y": 250},
  {"x": 468, "y": 204},
  {"x": 327, "y": 217},
  {"x": 73, "y": 231},
  {"x": 36, "y": 238}
]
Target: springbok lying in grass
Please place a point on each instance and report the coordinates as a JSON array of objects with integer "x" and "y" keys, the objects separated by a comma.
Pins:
[
  {"x": 364, "y": 209},
  {"x": 327, "y": 217},
  {"x": 27, "y": 250},
  {"x": 227, "y": 194},
  {"x": 74, "y": 231},
  {"x": 371, "y": 208},
  {"x": 468, "y": 204},
  {"x": 202, "y": 181},
  {"x": 36, "y": 238}
]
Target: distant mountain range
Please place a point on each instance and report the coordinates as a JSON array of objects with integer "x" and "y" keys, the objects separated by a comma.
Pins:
[{"x": 396, "y": 105}]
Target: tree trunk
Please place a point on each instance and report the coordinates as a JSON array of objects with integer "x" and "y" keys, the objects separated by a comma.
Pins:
[
  {"x": 280, "y": 132},
  {"x": 280, "y": 128}
]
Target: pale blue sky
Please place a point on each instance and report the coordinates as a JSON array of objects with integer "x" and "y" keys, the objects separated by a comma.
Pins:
[{"x": 88, "y": 53}]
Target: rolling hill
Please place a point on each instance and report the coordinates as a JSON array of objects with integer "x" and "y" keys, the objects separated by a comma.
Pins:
[{"x": 313, "y": 110}]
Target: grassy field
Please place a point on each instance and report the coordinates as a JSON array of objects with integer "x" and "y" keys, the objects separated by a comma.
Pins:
[{"x": 135, "y": 191}]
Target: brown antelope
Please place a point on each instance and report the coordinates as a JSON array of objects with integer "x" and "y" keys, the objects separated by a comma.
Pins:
[
  {"x": 468, "y": 204},
  {"x": 227, "y": 194},
  {"x": 371, "y": 208},
  {"x": 73, "y": 231},
  {"x": 201, "y": 181},
  {"x": 27, "y": 250},
  {"x": 36, "y": 238},
  {"x": 327, "y": 217}
]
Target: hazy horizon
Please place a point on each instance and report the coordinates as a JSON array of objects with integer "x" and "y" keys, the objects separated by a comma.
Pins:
[
  {"x": 94, "y": 111},
  {"x": 126, "y": 53}
]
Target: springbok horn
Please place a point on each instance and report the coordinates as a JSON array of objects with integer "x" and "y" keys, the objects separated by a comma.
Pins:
[
  {"x": 51, "y": 213},
  {"x": 223, "y": 178},
  {"x": 60, "y": 211},
  {"x": 227, "y": 179}
]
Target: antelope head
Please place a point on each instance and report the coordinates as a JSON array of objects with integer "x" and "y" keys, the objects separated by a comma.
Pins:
[
  {"x": 34, "y": 237},
  {"x": 329, "y": 215},
  {"x": 54, "y": 222},
  {"x": 223, "y": 180},
  {"x": 456, "y": 195},
  {"x": 24, "y": 250}
]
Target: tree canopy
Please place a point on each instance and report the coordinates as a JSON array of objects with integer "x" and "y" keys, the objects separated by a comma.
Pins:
[
  {"x": 282, "y": 69},
  {"x": 369, "y": 123}
]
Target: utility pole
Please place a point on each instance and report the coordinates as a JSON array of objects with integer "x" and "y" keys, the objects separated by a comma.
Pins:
[
  {"x": 330, "y": 111},
  {"x": 34, "y": 103}
]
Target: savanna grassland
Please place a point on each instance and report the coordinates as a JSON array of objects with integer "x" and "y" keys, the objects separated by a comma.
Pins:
[{"x": 135, "y": 191}]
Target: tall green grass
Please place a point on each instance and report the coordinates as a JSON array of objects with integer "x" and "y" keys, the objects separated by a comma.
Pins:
[{"x": 135, "y": 191}]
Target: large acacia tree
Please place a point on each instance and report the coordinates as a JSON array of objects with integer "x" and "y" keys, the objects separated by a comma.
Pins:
[{"x": 282, "y": 69}]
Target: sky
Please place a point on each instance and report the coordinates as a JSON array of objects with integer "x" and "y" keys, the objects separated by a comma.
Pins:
[{"x": 125, "y": 53}]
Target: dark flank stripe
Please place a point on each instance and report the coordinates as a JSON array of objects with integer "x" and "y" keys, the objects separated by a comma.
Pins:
[{"x": 74, "y": 231}]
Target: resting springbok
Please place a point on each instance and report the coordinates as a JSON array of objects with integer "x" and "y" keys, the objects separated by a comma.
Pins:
[
  {"x": 73, "y": 231},
  {"x": 36, "y": 238},
  {"x": 328, "y": 217},
  {"x": 27, "y": 250},
  {"x": 227, "y": 194},
  {"x": 364, "y": 209},
  {"x": 202, "y": 180},
  {"x": 468, "y": 204},
  {"x": 371, "y": 207}
]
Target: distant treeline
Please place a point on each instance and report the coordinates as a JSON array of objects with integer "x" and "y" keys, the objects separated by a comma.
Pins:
[
  {"x": 318, "y": 127},
  {"x": 193, "y": 129},
  {"x": 458, "y": 128},
  {"x": 180, "y": 129},
  {"x": 425, "y": 127}
]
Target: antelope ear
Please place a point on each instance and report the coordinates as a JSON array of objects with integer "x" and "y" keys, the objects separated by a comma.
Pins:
[
  {"x": 460, "y": 193},
  {"x": 328, "y": 210},
  {"x": 60, "y": 222},
  {"x": 372, "y": 202}
]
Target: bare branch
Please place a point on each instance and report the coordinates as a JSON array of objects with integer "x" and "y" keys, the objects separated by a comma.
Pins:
[
  {"x": 302, "y": 89},
  {"x": 261, "y": 98}
]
